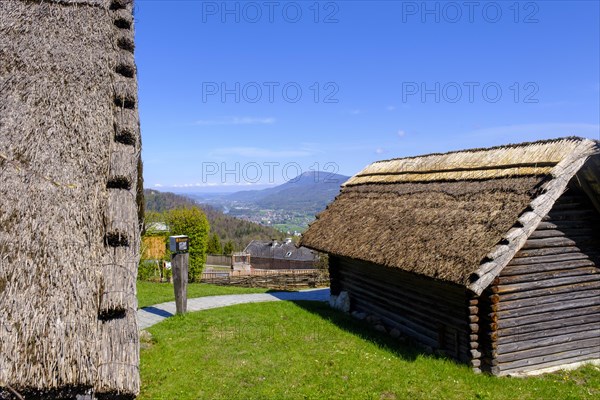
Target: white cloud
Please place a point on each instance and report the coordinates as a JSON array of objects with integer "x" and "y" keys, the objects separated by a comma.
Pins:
[
  {"x": 379, "y": 150},
  {"x": 236, "y": 121},
  {"x": 390, "y": 108},
  {"x": 401, "y": 133},
  {"x": 158, "y": 185}
]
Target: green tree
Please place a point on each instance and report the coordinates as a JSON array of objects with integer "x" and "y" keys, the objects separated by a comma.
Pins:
[
  {"x": 193, "y": 223},
  {"x": 228, "y": 249},
  {"x": 214, "y": 245}
]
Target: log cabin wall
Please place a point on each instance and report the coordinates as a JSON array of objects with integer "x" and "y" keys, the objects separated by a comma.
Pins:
[
  {"x": 431, "y": 312},
  {"x": 546, "y": 306}
]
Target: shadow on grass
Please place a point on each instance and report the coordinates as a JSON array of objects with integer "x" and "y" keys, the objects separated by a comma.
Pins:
[{"x": 363, "y": 330}]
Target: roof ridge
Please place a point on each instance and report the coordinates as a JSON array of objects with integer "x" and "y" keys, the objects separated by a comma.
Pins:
[{"x": 505, "y": 146}]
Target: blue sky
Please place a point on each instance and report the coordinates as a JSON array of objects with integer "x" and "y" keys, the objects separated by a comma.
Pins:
[{"x": 237, "y": 95}]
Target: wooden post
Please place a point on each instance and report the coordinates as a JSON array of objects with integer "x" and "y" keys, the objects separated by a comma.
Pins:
[
  {"x": 179, "y": 264},
  {"x": 179, "y": 247}
]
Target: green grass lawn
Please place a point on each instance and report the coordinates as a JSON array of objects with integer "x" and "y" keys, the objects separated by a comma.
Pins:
[
  {"x": 305, "y": 350},
  {"x": 150, "y": 293}
]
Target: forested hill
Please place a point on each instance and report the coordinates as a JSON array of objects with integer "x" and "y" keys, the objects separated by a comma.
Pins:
[
  {"x": 164, "y": 201},
  {"x": 240, "y": 232}
]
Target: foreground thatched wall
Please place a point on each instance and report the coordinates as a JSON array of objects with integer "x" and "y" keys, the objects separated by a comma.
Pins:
[{"x": 69, "y": 232}]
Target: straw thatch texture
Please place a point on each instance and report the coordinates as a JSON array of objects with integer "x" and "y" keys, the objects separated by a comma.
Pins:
[
  {"x": 449, "y": 216},
  {"x": 69, "y": 229}
]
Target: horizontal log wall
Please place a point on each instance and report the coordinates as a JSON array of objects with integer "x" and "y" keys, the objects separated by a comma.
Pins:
[
  {"x": 546, "y": 304},
  {"x": 434, "y": 313}
]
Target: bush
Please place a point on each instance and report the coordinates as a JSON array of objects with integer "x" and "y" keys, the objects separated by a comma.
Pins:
[
  {"x": 193, "y": 223},
  {"x": 148, "y": 270}
]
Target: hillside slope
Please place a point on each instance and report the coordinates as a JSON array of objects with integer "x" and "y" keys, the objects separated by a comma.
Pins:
[{"x": 240, "y": 232}]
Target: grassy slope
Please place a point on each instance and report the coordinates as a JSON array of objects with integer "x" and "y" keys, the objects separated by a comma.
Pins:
[
  {"x": 308, "y": 351},
  {"x": 150, "y": 293}
]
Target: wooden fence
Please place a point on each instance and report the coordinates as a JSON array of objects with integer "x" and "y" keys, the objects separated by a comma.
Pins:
[
  {"x": 273, "y": 279},
  {"x": 218, "y": 260}
]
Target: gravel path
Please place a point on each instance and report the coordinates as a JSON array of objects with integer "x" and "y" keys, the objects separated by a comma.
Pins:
[{"x": 151, "y": 315}]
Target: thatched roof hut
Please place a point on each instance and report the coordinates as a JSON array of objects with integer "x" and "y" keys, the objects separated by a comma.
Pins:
[
  {"x": 280, "y": 255},
  {"x": 69, "y": 184},
  {"x": 437, "y": 234}
]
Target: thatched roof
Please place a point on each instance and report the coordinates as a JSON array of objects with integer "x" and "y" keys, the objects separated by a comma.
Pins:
[
  {"x": 69, "y": 228},
  {"x": 458, "y": 217}
]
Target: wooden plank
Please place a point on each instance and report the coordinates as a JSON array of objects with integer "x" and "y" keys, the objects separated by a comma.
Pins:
[
  {"x": 544, "y": 300},
  {"x": 549, "y": 352},
  {"x": 517, "y": 346},
  {"x": 551, "y": 274}
]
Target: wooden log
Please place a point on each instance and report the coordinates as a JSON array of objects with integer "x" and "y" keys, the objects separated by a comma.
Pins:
[
  {"x": 475, "y": 354},
  {"x": 545, "y": 317},
  {"x": 518, "y": 287},
  {"x": 473, "y": 337},
  {"x": 395, "y": 276},
  {"x": 545, "y": 259},
  {"x": 533, "y": 252},
  {"x": 473, "y": 310},
  {"x": 545, "y": 234},
  {"x": 419, "y": 291},
  {"x": 578, "y": 214},
  {"x": 552, "y": 290},
  {"x": 586, "y": 317},
  {"x": 505, "y": 347},
  {"x": 503, "y": 339},
  {"x": 405, "y": 326},
  {"x": 542, "y": 301},
  {"x": 414, "y": 308},
  {"x": 550, "y": 242},
  {"x": 573, "y": 357},
  {"x": 569, "y": 269},
  {"x": 562, "y": 225},
  {"x": 549, "y": 352}
]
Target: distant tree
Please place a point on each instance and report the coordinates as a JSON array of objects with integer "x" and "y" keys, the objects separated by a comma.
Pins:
[
  {"x": 214, "y": 245},
  {"x": 193, "y": 223},
  {"x": 228, "y": 249}
]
